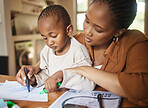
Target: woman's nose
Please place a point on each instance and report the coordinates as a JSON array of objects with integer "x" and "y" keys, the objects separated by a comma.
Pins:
[{"x": 88, "y": 31}]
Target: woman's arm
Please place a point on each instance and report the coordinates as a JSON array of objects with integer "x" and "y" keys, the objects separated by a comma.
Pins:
[{"x": 108, "y": 81}]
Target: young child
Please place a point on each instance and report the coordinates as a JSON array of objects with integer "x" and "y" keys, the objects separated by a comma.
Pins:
[{"x": 61, "y": 51}]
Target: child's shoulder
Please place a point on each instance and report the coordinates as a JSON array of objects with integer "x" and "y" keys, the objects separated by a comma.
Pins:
[
  {"x": 80, "y": 37},
  {"x": 77, "y": 45},
  {"x": 45, "y": 49}
]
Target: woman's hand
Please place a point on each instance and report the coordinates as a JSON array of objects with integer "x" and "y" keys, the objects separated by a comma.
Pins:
[
  {"x": 21, "y": 77},
  {"x": 51, "y": 82}
]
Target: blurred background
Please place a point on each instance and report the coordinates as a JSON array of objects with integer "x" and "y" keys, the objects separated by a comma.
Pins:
[{"x": 20, "y": 42}]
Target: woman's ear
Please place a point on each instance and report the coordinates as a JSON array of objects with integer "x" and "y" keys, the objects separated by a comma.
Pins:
[
  {"x": 69, "y": 29},
  {"x": 120, "y": 32}
]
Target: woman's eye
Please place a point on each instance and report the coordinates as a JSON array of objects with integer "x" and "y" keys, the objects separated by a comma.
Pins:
[
  {"x": 99, "y": 31},
  {"x": 86, "y": 21}
]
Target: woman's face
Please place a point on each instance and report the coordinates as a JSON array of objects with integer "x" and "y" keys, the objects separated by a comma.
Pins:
[{"x": 98, "y": 26}]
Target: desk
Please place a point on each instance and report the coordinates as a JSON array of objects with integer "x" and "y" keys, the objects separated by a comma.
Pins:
[{"x": 51, "y": 97}]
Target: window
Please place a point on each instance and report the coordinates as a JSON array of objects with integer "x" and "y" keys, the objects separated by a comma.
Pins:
[
  {"x": 82, "y": 6},
  {"x": 138, "y": 23}
]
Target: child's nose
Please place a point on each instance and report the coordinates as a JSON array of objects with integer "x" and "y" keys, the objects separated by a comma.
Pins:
[{"x": 50, "y": 42}]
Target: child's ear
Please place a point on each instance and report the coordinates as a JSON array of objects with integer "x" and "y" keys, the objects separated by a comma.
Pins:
[{"x": 69, "y": 29}]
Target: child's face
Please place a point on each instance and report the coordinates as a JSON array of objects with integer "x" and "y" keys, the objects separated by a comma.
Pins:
[
  {"x": 98, "y": 26},
  {"x": 54, "y": 34}
]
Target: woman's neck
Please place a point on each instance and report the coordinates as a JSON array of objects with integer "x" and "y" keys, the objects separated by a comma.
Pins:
[
  {"x": 103, "y": 46},
  {"x": 99, "y": 53}
]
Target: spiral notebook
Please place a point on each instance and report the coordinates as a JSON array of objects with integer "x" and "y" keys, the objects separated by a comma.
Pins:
[{"x": 88, "y": 99}]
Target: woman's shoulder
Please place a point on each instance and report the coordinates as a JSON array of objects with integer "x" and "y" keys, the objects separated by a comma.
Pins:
[
  {"x": 80, "y": 37},
  {"x": 132, "y": 37},
  {"x": 135, "y": 35}
]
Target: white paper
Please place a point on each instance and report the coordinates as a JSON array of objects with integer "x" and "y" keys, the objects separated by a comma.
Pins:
[
  {"x": 12, "y": 90},
  {"x": 87, "y": 98}
]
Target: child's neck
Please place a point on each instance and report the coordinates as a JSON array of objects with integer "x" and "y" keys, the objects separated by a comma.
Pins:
[{"x": 65, "y": 48}]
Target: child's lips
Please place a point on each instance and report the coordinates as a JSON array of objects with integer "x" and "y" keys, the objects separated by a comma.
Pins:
[{"x": 53, "y": 47}]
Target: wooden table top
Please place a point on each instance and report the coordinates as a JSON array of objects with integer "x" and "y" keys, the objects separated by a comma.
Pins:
[{"x": 51, "y": 97}]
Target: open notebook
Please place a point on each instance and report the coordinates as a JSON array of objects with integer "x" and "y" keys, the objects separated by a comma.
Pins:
[
  {"x": 12, "y": 90},
  {"x": 87, "y": 98}
]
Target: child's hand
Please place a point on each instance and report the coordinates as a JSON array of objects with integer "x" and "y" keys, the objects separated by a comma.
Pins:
[
  {"x": 51, "y": 82},
  {"x": 21, "y": 77}
]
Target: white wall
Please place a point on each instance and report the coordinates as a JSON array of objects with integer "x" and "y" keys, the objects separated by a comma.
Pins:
[
  {"x": 70, "y": 6},
  {"x": 6, "y": 42},
  {"x": 3, "y": 41}
]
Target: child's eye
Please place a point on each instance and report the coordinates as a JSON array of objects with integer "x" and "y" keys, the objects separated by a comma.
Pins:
[
  {"x": 45, "y": 38},
  {"x": 54, "y": 36}
]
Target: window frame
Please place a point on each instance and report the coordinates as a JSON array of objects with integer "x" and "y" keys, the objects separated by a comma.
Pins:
[{"x": 80, "y": 12}]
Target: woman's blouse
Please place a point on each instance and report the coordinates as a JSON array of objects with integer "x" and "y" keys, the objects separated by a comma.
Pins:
[{"x": 128, "y": 57}]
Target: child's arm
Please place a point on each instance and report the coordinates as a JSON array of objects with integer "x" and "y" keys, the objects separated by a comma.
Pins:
[
  {"x": 41, "y": 77},
  {"x": 72, "y": 80},
  {"x": 42, "y": 65},
  {"x": 75, "y": 81},
  {"x": 69, "y": 80},
  {"x": 37, "y": 68}
]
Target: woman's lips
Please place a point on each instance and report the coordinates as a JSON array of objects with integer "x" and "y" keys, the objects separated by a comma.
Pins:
[{"x": 87, "y": 39}]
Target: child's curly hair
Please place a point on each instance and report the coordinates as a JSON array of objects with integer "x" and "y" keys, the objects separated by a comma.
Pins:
[{"x": 56, "y": 10}]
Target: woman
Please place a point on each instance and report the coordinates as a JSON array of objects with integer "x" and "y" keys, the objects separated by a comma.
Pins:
[{"x": 119, "y": 55}]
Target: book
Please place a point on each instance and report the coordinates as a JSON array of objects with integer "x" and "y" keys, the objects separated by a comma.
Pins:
[{"x": 88, "y": 99}]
